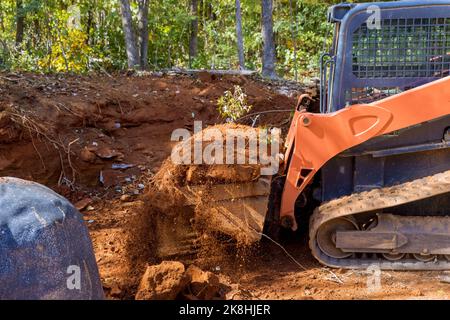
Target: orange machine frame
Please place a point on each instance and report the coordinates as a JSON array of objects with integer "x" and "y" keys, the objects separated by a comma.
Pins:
[{"x": 313, "y": 139}]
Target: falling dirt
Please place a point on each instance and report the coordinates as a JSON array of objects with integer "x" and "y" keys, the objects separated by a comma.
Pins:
[
  {"x": 220, "y": 197},
  {"x": 100, "y": 140}
]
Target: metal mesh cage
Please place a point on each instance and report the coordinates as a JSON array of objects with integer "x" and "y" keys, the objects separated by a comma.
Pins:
[
  {"x": 403, "y": 52},
  {"x": 370, "y": 94},
  {"x": 402, "y": 48}
]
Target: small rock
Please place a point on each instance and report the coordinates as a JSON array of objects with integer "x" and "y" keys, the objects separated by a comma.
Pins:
[
  {"x": 417, "y": 292},
  {"x": 109, "y": 125},
  {"x": 444, "y": 279},
  {"x": 126, "y": 198},
  {"x": 121, "y": 166},
  {"x": 80, "y": 205},
  {"x": 108, "y": 153},
  {"x": 87, "y": 155},
  {"x": 116, "y": 292},
  {"x": 141, "y": 186}
]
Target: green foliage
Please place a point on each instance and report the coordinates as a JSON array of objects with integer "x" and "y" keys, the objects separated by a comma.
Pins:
[
  {"x": 52, "y": 43},
  {"x": 232, "y": 106},
  {"x": 70, "y": 53}
]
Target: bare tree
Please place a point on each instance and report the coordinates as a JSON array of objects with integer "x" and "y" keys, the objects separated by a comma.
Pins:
[
  {"x": 89, "y": 24},
  {"x": 293, "y": 23},
  {"x": 130, "y": 41},
  {"x": 143, "y": 33},
  {"x": 240, "y": 40},
  {"x": 268, "y": 54},
  {"x": 193, "y": 41},
  {"x": 20, "y": 22},
  {"x": 2, "y": 22}
]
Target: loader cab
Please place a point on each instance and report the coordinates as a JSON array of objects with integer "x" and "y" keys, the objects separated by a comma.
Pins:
[{"x": 381, "y": 49}]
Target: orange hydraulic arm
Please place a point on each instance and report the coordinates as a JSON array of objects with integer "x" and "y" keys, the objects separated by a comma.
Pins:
[{"x": 313, "y": 139}]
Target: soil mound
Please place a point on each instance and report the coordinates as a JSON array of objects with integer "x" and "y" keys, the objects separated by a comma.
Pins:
[{"x": 215, "y": 145}]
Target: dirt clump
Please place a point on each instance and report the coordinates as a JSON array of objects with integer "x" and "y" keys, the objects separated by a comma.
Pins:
[
  {"x": 162, "y": 282},
  {"x": 171, "y": 177},
  {"x": 203, "y": 285},
  {"x": 170, "y": 280}
]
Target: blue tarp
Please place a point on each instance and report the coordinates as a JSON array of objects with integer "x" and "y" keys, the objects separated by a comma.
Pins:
[{"x": 45, "y": 249}]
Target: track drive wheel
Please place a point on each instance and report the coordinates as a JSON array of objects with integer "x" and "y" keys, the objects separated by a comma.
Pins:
[{"x": 326, "y": 236}]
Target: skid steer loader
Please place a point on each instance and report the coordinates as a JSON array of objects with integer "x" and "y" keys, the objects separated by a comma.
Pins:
[{"x": 369, "y": 175}]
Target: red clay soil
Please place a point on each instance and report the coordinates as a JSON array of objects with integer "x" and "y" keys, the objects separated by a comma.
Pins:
[{"x": 98, "y": 140}]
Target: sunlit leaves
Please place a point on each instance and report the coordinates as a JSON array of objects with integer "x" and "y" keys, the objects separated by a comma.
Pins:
[{"x": 51, "y": 45}]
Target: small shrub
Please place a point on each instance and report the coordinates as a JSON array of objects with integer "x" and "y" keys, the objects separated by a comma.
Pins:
[{"x": 232, "y": 106}]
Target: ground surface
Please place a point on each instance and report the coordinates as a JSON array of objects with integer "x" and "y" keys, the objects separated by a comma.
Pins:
[{"x": 71, "y": 133}]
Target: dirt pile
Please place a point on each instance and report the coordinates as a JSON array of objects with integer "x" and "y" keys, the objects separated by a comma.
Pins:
[{"x": 215, "y": 147}]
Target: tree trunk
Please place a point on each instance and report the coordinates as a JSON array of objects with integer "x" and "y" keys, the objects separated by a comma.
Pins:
[
  {"x": 130, "y": 42},
  {"x": 293, "y": 23},
  {"x": 2, "y": 22},
  {"x": 268, "y": 55},
  {"x": 193, "y": 41},
  {"x": 36, "y": 32},
  {"x": 143, "y": 33},
  {"x": 88, "y": 26},
  {"x": 20, "y": 17},
  {"x": 240, "y": 40}
]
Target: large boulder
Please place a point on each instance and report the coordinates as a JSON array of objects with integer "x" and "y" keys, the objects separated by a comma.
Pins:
[{"x": 45, "y": 249}]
